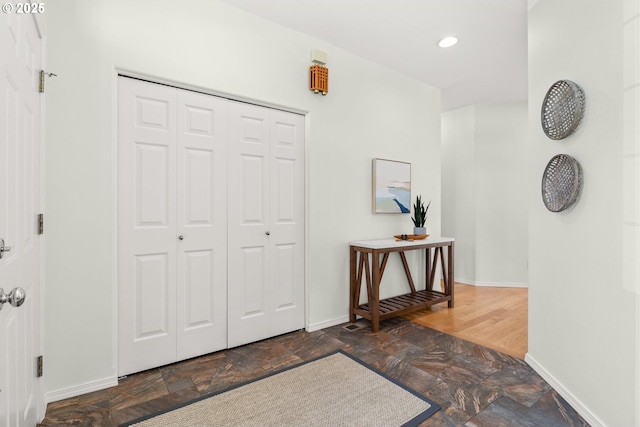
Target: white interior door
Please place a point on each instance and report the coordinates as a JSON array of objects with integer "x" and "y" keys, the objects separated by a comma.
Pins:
[
  {"x": 147, "y": 239},
  {"x": 266, "y": 223},
  {"x": 202, "y": 224},
  {"x": 21, "y": 394}
]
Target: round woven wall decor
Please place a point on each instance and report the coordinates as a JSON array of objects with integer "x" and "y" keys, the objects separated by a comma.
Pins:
[
  {"x": 562, "y": 109},
  {"x": 561, "y": 183}
]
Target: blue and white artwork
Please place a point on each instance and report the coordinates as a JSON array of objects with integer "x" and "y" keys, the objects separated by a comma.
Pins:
[{"x": 391, "y": 186}]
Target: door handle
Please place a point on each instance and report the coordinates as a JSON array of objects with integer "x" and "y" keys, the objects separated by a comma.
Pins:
[
  {"x": 15, "y": 297},
  {"x": 3, "y": 248}
]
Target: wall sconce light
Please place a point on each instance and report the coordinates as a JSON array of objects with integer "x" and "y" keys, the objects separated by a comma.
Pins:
[{"x": 318, "y": 73}]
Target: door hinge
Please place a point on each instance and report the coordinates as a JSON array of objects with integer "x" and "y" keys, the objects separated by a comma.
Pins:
[
  {"x": 40, "y": 223},
  {"x": 40, "y": 367},
  {"x": 44, "y": 74}
]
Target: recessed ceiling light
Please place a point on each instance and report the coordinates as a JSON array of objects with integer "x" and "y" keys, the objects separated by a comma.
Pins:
[{"x": 448, "y": 41}]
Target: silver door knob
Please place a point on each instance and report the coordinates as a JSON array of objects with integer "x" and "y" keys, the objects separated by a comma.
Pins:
[
  {"x": 180, "y": 237},
  {"x": 3, "y": 248},
  {"x": 15, "y": 297}
]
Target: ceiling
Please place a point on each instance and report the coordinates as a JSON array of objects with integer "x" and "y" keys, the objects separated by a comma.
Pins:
[{"x": 489, "y": 63}]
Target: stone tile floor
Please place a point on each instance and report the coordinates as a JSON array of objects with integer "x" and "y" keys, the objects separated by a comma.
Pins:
[{"x": 475, "y": 386}]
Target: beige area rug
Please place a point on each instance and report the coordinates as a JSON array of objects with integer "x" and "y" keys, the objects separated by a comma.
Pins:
[{"x": 334, "y": 390}]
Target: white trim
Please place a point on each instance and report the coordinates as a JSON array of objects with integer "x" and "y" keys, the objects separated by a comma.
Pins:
[
  {"x": 638, "y": 355},
  {"x": 492, "y": 284},
  {"x": 114, "y": 239},
  {"x": 77, "y": 390},
  {"x": 42, "y": 401},
  {"x": 564, "y": 392},
  {"x": 311, "y": 327},
  {"x": 207, "y": 91},
  {"x": 307, "y": 217}
]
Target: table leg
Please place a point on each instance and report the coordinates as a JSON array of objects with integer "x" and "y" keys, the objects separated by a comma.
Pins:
[
  {"x": 353, "y": 286},
  {"x": 374, "y": 299},
  {"x": 428, "y": 284},
  {"x": 450, "y": 260}
]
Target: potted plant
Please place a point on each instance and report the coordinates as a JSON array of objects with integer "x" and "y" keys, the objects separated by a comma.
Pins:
[{"x": 420, "y": 216}]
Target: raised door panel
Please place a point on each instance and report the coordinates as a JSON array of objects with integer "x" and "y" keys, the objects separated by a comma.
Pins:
[
  {"x": 249, "y": 221},
  {"x": 198, "y": 185},
  {"x": 28, "y": 164},
  {"x": 152, "y": 317},
  {"x": 199, "y": 300},
  {"x": 284, "y": 260},
  {"x": 201, "y": 233},
  {"x": 251, "y": 188},
  {"x": 285, "y": 196},
  {"x": 146, "y": 225},
  {"x": 11, "y": 110},
  {"x": 253, "y": 283},
  {"x": 151, "y": 184}
]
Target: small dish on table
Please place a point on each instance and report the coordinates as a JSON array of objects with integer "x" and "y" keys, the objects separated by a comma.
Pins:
[{"x": 410, "y": 237}]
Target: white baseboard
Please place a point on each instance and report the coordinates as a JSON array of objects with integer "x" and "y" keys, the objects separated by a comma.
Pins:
[
  {"x": 492, "y": 284},
  {"x": 77, "y": 390},
  {"x": 327, "y": 323},
  {"x": 566, "y": 394}
]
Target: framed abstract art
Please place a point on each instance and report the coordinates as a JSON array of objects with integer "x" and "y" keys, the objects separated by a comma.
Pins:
[{"x": 391, "y": 186}]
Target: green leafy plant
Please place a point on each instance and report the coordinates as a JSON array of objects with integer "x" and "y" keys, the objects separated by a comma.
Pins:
[{"x": 419, "y": 212}]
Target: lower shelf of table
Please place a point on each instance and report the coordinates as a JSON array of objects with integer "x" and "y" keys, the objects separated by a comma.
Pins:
[{"x": 404, "y": 304}]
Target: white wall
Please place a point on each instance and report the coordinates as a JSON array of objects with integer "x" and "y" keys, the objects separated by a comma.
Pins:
[
  {"x": 369, "y": 112},
  {"x": 484, "y": 192},
  {"x": 501, "y": 196},
  {"x": 583, "y": 319},
  {"x": 459, "y": 188}
]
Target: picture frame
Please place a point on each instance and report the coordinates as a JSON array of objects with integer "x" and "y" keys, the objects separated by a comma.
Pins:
[{"x": 391, "y": 187}]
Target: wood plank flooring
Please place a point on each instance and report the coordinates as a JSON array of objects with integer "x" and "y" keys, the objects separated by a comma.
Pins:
[{"x": 492, "y": 317}]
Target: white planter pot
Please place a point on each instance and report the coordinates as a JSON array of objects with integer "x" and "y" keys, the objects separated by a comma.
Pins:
[{"x": 419, "y": 231}]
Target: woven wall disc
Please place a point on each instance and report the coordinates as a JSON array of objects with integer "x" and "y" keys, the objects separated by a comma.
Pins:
[
  {"x": 561, "y": 183},
  {"x": 562, "y": 109}
]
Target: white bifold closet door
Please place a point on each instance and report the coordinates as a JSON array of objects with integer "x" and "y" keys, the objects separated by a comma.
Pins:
[
  {"x": 266, "y": 223},
  {"x": 172, "y": 225},
  {"x": 210, "y": 224}
]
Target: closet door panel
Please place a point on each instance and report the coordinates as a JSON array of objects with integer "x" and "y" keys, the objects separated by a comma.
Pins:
[
  {"x": 198, "y": 296},
  {"x": 146, "y": 225},
  {"x": 201, "y": 234},
  {"x": 253, "y": 282},
  {"x": 151, "y": 290},
  {"x": 249, "y": 221},
  {"x": 287, "y": 210}
]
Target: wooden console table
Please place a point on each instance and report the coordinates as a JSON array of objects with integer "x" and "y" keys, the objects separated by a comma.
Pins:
[{"x": 376, "y": 310}]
